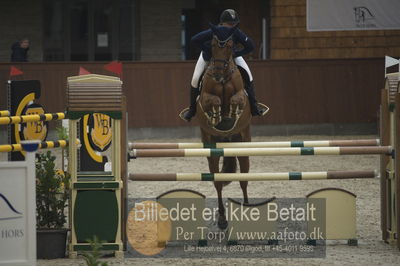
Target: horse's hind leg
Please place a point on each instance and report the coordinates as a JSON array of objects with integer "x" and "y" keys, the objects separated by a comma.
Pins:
[
  {"x": 222, "y": 222},
  {"x": 244, "y": 163},
  {"x": 213, "y": 165}
]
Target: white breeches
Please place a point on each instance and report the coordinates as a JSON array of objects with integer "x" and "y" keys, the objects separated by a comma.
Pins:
[
  {"x": 201, "y": 65},
  {"x": 198, "y": 70},
  {"x": 240, "y": 62}
]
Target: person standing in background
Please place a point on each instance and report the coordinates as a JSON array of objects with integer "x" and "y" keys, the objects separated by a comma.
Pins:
[{"x": 20, "y": 51}]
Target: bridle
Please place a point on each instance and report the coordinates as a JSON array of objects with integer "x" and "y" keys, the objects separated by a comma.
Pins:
[
  {"x": 225, "y": 64},
  {"x": 225, "y": 68}
]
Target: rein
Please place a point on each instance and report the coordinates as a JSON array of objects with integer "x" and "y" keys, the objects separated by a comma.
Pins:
[
  {"x": 221, "y": 71},
  {"x": 227, "y": 73}
]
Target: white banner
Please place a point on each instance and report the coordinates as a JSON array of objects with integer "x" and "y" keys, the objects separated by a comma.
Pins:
[
  {"x": 336, "y": 15},
  {"x": 18, "y": 212}
]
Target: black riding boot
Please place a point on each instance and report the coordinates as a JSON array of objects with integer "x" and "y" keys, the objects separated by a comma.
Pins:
[
  {"x": 252, "y": 99},
  {"x": 194, "y": 93}
]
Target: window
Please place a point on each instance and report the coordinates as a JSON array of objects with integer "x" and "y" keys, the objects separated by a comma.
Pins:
[{"x": 88, "y": 30}]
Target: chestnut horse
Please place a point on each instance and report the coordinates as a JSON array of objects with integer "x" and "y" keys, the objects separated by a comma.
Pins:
[{"x": 223, "y": 111}]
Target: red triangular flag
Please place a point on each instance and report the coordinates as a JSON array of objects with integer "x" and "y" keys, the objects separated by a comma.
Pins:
[
  {"x": 115, "y": 67},
  {"x": 83, "y": 71},
  {"x": 15, "y": 71}
]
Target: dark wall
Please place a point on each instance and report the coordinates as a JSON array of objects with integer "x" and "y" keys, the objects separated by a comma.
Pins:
[{"x": 297, "y": 91}]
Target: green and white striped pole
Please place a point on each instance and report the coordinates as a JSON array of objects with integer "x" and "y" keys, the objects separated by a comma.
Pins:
[
  {"x": 270, "y": 144},
  {"x": 253, "y": 176},
  {"x": 233, "y": 152}
]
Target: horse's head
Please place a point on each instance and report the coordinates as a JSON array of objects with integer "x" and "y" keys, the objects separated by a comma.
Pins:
[
  {"x": 223, "y": 98},
  {"x": 222, "y": 50}
]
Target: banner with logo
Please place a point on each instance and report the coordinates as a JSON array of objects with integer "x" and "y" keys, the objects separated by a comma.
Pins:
[
  {"x": 337, "y": 15},
  {"x": 18, "y": 212}
]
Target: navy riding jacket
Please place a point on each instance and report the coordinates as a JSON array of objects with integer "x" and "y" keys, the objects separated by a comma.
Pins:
[{"x": 203, "y": 41}]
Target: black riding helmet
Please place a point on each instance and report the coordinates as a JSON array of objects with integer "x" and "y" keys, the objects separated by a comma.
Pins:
[{"x": 229, "y": 16}]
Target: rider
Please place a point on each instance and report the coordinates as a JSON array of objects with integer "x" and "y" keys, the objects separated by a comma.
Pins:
[{"x": 228, "y": 19}]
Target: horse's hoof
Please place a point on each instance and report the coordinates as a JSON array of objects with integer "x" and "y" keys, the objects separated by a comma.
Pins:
[{"x": 222, "y": 223}]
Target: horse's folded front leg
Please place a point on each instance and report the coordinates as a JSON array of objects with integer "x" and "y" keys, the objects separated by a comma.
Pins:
[
  {"x": 214, "y": 115},
  {"x": 236, "y": 105},
  {"x": 212, "y": 106}
]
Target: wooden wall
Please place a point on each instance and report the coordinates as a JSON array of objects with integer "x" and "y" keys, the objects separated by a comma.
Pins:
[
  {"x": 298, "y": 91},
  {"x": 290, "y": 39}
]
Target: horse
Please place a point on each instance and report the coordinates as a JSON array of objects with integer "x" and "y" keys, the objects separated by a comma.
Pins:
[{"x": 224, "y": 113}]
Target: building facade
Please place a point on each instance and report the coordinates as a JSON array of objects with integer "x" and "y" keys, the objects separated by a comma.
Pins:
[{"x": 155, "y": 30}]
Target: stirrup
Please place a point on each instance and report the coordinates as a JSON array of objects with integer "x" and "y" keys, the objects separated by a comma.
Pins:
[
  {"x": 262, "y": 109},
  {"x": 183, "y": 113}
]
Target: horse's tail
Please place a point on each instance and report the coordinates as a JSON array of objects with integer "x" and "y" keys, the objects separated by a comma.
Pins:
[{"x": 229, "y": 165}]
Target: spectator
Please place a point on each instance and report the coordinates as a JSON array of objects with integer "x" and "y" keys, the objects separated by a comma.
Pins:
[{"x": 20, "y": 51}]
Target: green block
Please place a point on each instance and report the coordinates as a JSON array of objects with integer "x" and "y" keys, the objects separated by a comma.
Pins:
[
  {"x": 98, "y": 185},
  {"x": 392, "y": 106},
  {"x": 307, "y": 151},
  {"x": 207, "y": 177},
  {"x": 87, "y": 247},
  {"x": 294, "y": 176},
  {"x": 297, "y": 144},
  {"x": 94, "y": 173},
  {"x": 96, "y": 214},
  {"x": 74, "y": 115},
  {"x": 217, "y": 152},
  {"x": 95, "y": 176},
  {"x": 209, "y": 145}
]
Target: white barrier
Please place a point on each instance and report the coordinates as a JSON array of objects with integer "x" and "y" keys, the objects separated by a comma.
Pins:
[{"x": 18, "y": 210}]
